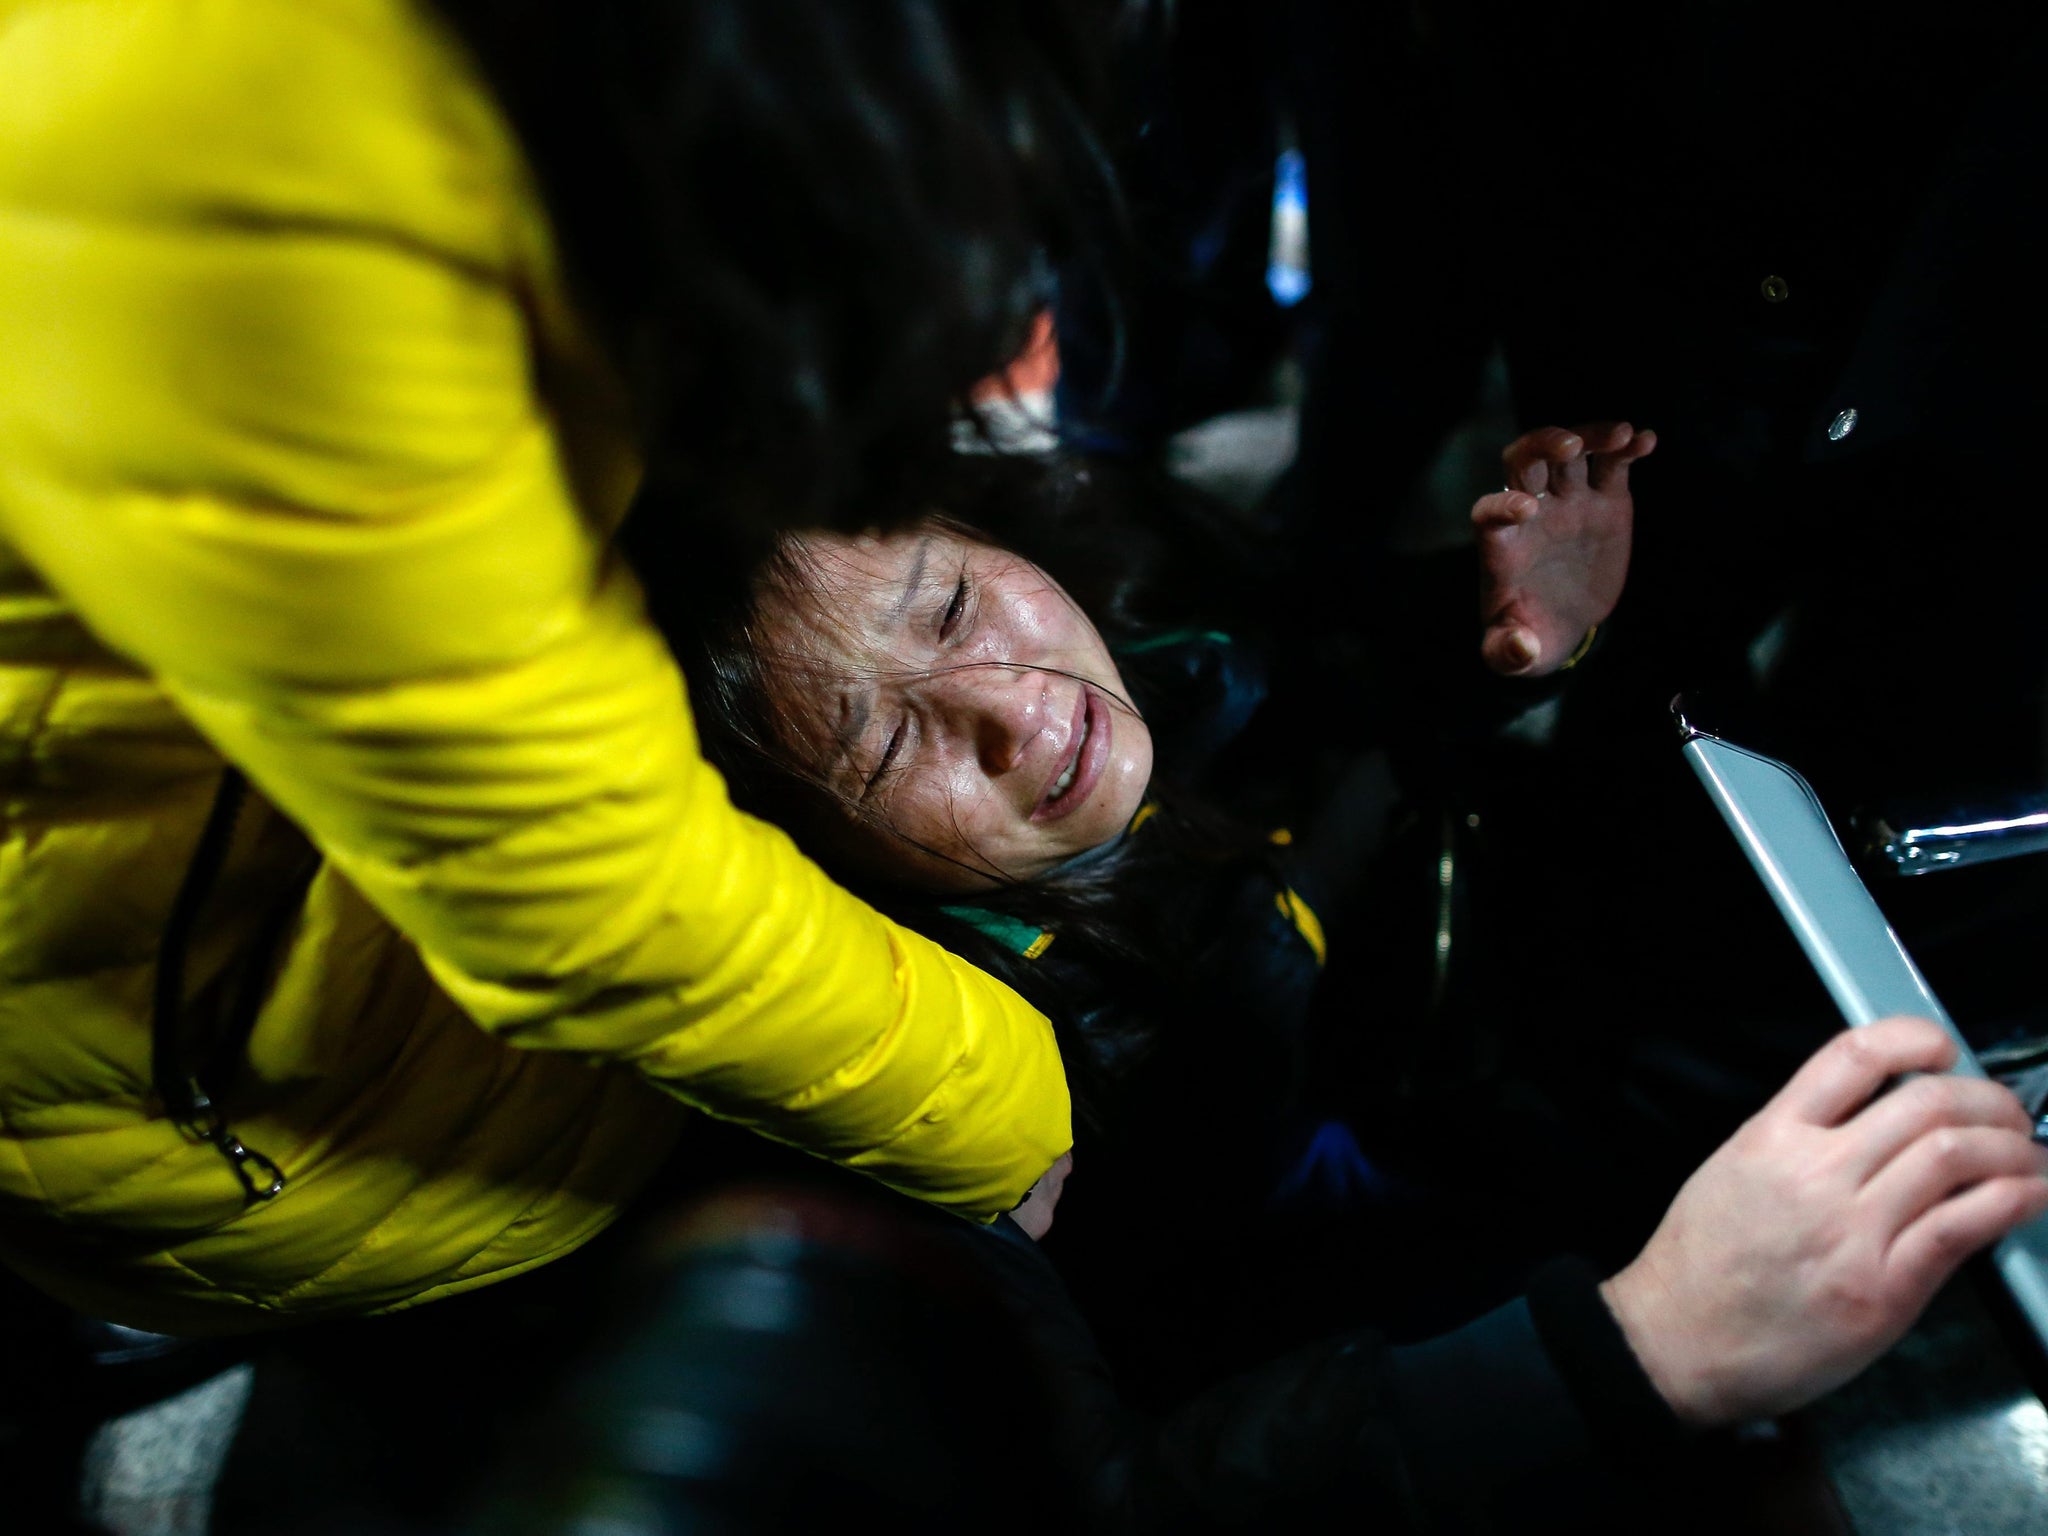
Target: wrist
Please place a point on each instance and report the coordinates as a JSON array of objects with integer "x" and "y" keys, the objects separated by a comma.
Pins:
[
  {"x": 1642, "y": 1308},
  {"x": 1622, "y": 1408}
]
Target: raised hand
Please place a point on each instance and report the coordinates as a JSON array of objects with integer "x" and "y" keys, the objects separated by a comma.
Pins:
[
  {"x": 1554, "y": 545},
  {"x": 1803, "y": 1248}
]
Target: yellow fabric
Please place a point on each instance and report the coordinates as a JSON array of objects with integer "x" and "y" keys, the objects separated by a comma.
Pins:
[
  {"x": 278, "y": 482},
  {"x": 1306, "y": 923}
]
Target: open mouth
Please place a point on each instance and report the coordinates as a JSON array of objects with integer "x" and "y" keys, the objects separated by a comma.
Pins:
[
  {"x": 1065, "y": 781},
  {"x": 1089, "y": 750}
]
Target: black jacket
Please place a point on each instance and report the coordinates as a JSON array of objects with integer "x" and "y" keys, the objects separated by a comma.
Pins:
[{"x": 1532, "y": 1418}]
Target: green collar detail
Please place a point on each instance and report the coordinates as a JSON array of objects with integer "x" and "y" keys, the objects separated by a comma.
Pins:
[{"x": 1013, "y": 933}]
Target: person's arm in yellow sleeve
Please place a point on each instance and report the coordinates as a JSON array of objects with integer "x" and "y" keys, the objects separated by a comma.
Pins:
[{"x": 267, "y": 421}]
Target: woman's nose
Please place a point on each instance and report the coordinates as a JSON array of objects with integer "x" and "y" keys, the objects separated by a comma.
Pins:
[{"x": 998, "y": 709}]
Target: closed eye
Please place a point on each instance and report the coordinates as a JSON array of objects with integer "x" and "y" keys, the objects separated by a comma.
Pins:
[
  {"x": 950, "y": 619},
  {"x": 896, "y": 738}
]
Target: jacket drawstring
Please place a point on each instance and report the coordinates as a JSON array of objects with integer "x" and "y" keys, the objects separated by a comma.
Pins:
[{"x": 178, "y": 1062}]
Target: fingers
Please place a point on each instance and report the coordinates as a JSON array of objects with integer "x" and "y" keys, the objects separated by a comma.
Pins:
[
  {"x": 1528, "y": 459},
  {"x": 1639, "y": 446},
  {"x": 1885, "y": 1129},
  {"x": 1605, "y": 436},
  {"x": 1608, "y": 468},
  {"x": 1504, "y": 509},
  {"x": 1510, "y": 649},
  {"x": 1945, "y": 1162},
  {"x": 1928, "y": 1251},
  {"x": 1843, "y": 1075},
  {"x": 1558, "y": 459}
]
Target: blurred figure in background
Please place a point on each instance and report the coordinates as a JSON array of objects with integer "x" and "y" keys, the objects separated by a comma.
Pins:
[
  {"x": 1801, "y": 253},
  {"x": 791, "y": 1358},
  {"x": 1805, "y": 258}
]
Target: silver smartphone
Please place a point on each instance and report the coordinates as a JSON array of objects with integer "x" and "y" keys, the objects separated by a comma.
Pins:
[{"x": 1778, "y": 820}]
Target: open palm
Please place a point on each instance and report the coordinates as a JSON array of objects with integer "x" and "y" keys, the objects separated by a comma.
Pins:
[{"x": 1554, "y": 544}]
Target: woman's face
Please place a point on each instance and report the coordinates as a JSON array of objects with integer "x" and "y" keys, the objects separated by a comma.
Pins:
[{"x": 957, "y": 700}]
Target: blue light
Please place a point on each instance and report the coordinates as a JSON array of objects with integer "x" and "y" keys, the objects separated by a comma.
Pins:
[{"x": 1287, "y": 263}]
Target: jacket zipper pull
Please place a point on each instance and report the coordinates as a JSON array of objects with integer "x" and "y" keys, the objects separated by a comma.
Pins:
[{"x": 261, "y": 1178}]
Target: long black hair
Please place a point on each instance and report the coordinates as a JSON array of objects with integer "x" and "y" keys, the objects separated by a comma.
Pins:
[
  {"x": 1146, "y": 561},
  {"x": 803, "y": 229}
]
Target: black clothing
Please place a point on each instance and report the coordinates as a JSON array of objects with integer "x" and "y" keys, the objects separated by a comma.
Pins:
[
  {"x": 1804, "y": 248},
  {"x": 1250, "y": 1178},
  {"x": 1522, "y": 1420}
]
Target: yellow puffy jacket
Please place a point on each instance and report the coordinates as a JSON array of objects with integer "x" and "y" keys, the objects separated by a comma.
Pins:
[{"x": 279, "y": 484}]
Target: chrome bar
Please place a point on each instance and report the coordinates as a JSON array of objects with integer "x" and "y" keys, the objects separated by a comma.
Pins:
[{"x": 1954, "y": 843}]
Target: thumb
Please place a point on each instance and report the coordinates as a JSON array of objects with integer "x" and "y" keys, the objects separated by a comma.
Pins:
[{"x": 1511, "y": 649}]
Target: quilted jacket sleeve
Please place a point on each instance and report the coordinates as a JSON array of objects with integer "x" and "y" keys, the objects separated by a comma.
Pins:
[{"x": 269, "y": 279}]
